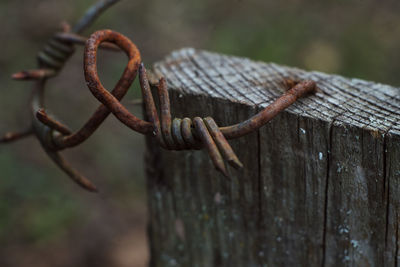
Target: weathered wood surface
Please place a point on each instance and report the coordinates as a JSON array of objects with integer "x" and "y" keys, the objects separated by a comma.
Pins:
[{"x": 321, "y": 182}]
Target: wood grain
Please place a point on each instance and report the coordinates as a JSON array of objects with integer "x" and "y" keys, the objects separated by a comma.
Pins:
[{"x": 320, "y": 184}]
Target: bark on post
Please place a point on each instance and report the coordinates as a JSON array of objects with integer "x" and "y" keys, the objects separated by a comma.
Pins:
[{"x": 320, "y": 184}]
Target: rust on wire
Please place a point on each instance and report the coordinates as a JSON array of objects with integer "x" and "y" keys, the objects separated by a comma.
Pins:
[
  {"x": 178, "y": 134},
  {"x": 13, "y": 136},
  {"x": 80, "y": 40},
  {"x": 170, "y": 133},
  {"x": 53, "y": 135},
  {"x": 42, "y": 116},
  {"x": 299, "y": 90}
]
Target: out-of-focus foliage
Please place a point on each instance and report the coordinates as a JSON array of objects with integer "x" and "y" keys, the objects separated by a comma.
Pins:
[{"x": 42, "y": 213}]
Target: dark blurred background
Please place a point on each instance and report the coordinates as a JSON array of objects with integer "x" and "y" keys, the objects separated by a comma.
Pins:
[{"x": 45, "y": 219}]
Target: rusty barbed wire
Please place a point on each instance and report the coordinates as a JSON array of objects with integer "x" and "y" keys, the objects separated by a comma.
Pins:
[
  {"x": 171, "y": 134},
  {"x": 179, "y": 134},
  {"x": 50, "y": 60}
]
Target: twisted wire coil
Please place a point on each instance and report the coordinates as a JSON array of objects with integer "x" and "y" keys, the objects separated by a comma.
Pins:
[
  {"x": 178, "y": 134},
  {"x": 171, "y": 134}
]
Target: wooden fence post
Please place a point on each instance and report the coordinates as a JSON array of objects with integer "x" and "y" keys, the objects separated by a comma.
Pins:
[{"x": 320, "y": 184}]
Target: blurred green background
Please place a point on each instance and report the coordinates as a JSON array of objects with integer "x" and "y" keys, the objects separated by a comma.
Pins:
[{"x": 45, "y": 219}]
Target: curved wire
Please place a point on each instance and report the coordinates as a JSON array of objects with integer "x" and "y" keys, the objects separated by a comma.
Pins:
[
  {"x": 289, "y": 97},
  {"x": 97, "y": 89},
  {"x": 119, "y": 91},
  {"x": 50, "y": 61},
  {"x": 179, "y": 134},
  {"x": 170, "y": 133}
]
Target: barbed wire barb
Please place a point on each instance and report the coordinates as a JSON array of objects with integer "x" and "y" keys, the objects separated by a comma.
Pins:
[{"x": 170, "y": 133}]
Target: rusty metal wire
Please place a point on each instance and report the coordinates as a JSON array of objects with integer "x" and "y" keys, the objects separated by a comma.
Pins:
[
  {"x": 50, "y": 60},
  {"x": 179, "y": 134},
  {"x": 92, "y": 13},
  {"x": 171, "y": 134}
]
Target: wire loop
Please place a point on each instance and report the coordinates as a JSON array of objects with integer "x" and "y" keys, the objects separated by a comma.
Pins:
[
  {"x": 170, "y": 133},
  {"x": 178, "y": 134}
]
